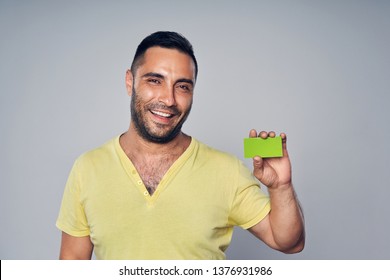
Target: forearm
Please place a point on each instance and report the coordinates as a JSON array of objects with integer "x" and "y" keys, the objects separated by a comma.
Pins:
[{"x": 286, "y": 219}]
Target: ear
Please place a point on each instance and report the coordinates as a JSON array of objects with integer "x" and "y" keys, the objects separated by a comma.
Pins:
[{"x": 129, "y": 82}]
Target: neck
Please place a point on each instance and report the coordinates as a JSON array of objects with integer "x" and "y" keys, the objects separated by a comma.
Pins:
[{"x": 134, "y": 145}]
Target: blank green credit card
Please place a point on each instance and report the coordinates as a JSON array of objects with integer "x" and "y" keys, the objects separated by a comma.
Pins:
[{"x": 266, "y": 148}]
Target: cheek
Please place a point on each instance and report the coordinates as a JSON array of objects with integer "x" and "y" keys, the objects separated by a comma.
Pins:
[
  {"x": 146, "y": 93},
  {"x": 184, "y": 101}
]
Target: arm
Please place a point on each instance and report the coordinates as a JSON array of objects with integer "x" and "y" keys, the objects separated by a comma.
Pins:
[
  {"x": 283, "y": 228},
  {"x": 75, "y": 248}
]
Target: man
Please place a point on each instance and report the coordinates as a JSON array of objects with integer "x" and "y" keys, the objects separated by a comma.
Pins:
[{"x": 156, "y": 193}]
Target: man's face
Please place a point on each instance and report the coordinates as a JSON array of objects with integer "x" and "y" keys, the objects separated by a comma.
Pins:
[{"x": 162, "y": 92}]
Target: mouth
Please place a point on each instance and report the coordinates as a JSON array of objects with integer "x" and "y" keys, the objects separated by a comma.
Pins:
[
  {"x": 162, "y": 117},
  {"x": 162, "y": 114}
]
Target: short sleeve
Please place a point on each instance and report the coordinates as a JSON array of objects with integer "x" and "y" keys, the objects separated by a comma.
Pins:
[
  {"x": 72, "y": 219},
  {"x": 250, "y": 204}
]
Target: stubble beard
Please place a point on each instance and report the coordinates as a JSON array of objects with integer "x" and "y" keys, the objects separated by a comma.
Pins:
[{"x": 144, "y": 129}]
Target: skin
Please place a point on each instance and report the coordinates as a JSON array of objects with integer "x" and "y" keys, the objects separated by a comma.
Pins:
[
  {"x": 75, "y": 248},
  {"x": 164, "y": 84},
  {"x": 283, "y": 228}
]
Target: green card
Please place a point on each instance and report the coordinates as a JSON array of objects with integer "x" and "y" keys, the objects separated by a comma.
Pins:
[{"x": 266, "y": 148}]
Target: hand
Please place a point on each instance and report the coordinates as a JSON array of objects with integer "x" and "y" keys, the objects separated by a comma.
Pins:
[{"x": 272, "y": 172}]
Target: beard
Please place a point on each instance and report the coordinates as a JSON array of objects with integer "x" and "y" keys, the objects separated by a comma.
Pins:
[{"x": 159, "y": 133}]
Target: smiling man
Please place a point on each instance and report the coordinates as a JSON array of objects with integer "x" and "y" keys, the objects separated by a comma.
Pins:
[{"x": 156, "y": 193}]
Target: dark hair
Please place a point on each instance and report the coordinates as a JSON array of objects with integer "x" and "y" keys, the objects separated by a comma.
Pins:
[{"x": 164, "y": 39}]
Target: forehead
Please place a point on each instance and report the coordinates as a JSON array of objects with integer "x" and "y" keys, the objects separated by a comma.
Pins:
[{"x": 168, "y": 61}]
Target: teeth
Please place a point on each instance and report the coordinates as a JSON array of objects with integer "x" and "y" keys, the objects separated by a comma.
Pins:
[{"x": 165, "y": 115}]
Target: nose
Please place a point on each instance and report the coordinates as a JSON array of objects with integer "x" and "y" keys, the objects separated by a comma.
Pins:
[{"x": 167, "y": 96}]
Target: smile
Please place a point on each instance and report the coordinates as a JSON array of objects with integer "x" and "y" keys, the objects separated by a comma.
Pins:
[{"x": 162, "y": 114}]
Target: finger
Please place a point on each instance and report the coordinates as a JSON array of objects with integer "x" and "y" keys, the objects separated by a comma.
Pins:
[
  {"x": 272, "y": 134},
  {"x": 252, "y": 133},
  {"x": 257, "y": 165},
  {"x": 284, "y": 137},
  {"x": 284, "y": 142},
  {"x": 263, "y": 134}
]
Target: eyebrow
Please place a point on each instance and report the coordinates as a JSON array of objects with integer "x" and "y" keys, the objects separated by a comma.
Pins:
[
  {"x": 183, "y": 80},
  {"x": 153, "y": 74},
  {"x": 160, "y": 76}
]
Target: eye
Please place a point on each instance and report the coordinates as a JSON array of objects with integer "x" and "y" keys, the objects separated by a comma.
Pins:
[
  {"x": 154, "y": 81},
  {"x": 185, "y": 88}
]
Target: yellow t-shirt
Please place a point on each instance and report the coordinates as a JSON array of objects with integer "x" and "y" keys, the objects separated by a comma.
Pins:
[{"x": 191, "y": 214}]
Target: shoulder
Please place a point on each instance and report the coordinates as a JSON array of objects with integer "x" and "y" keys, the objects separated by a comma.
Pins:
[
  {"x": 210, "y": 151},
  {"x": 228, "y": 163},
  {"x": 97, "y": 155},
  {"x": 215, "y": 156}
]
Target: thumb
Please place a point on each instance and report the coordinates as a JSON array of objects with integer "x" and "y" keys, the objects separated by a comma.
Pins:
[{"x": 258, "y": 163}]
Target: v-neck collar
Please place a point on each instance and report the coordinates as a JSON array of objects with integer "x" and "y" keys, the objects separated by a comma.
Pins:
[{"x": 136, "y": 178}]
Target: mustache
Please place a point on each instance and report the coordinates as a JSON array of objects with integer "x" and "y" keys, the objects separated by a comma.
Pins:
[{"x": 159, "y": 106}]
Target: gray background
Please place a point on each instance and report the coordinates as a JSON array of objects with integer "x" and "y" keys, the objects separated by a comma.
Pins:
[{"x": 317, "y": 70}]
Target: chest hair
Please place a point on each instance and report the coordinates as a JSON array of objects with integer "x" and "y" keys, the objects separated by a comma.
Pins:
[{"x": 152, "y": 171}]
